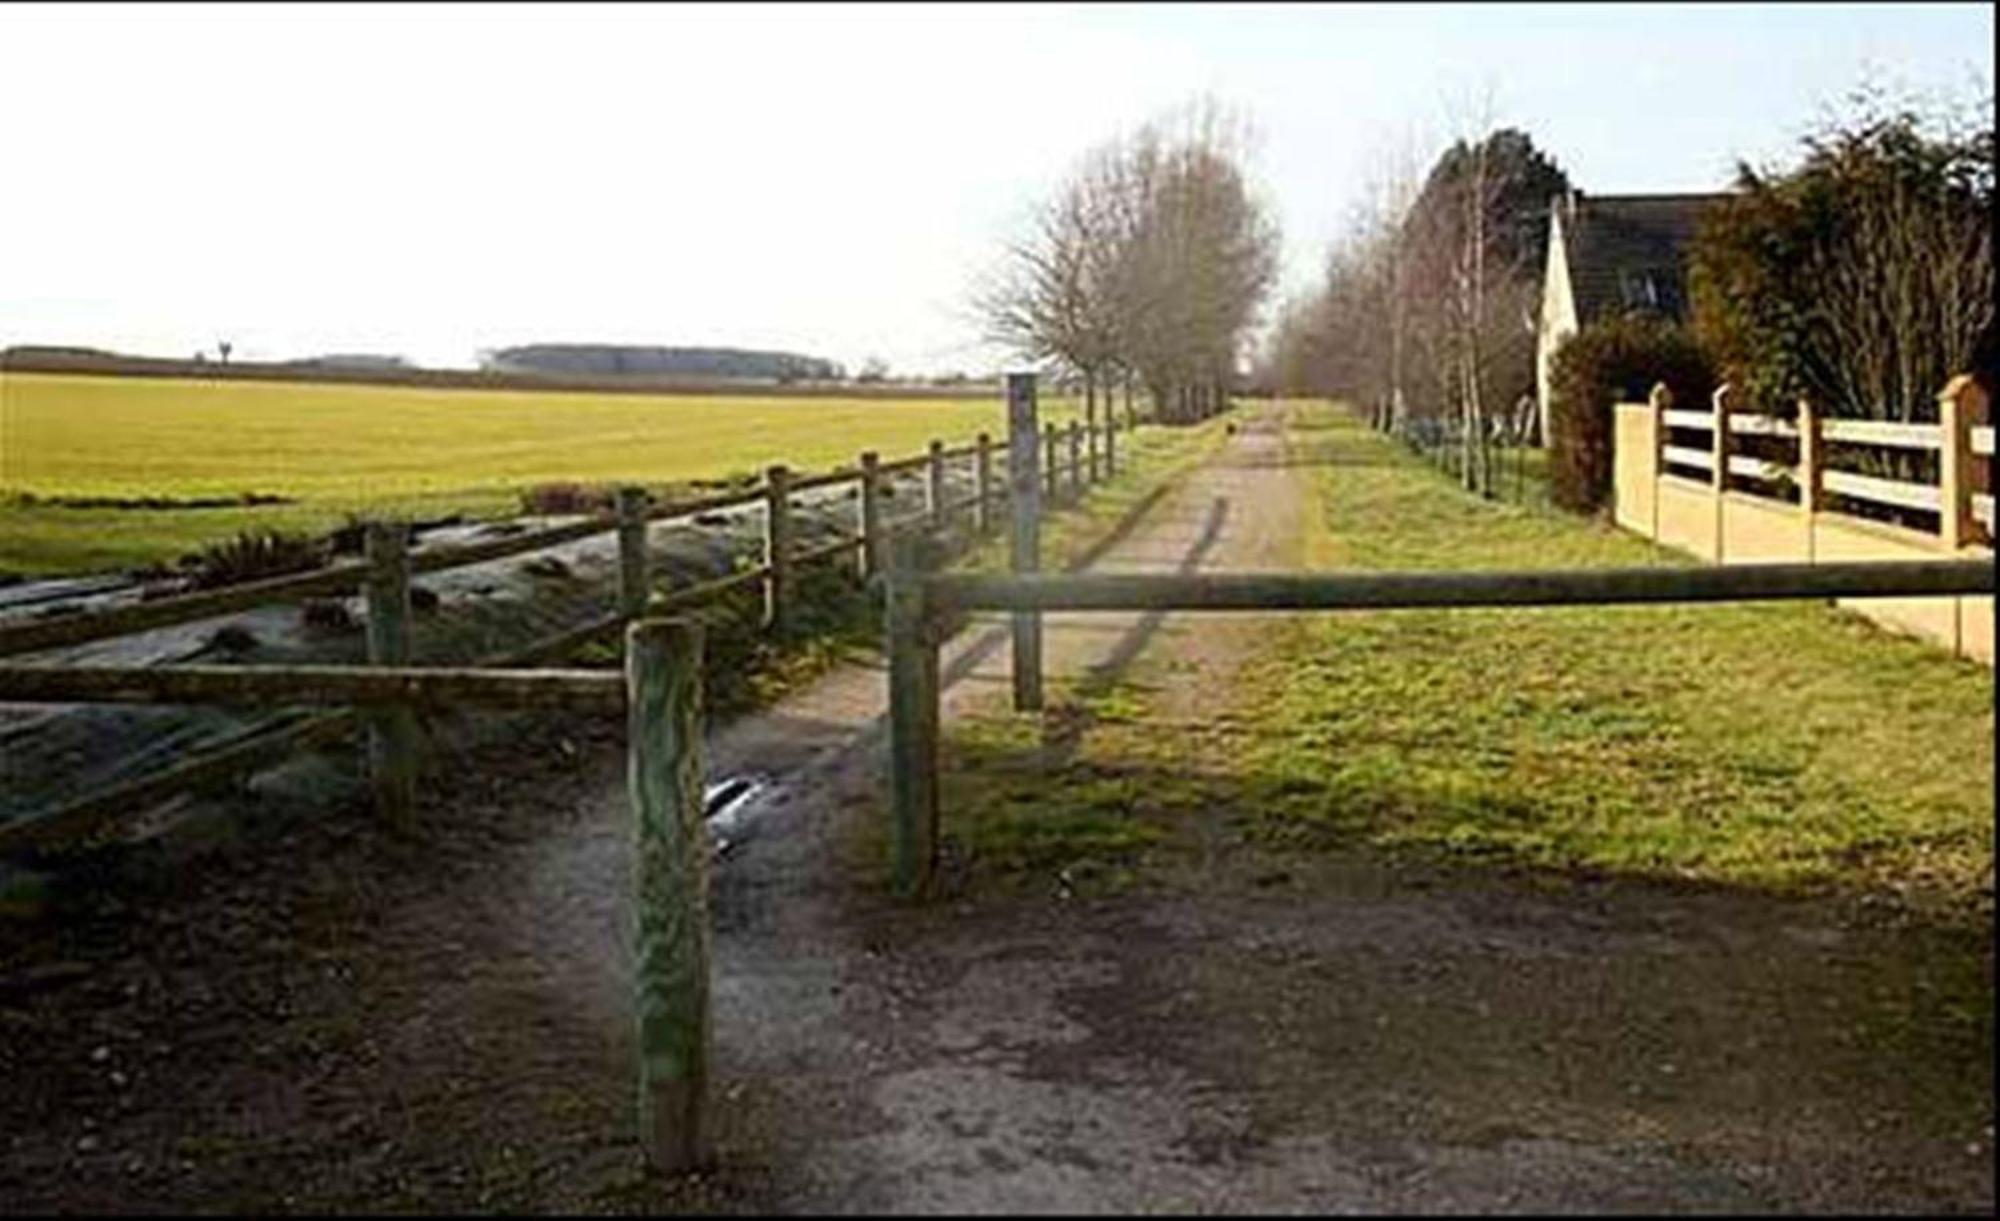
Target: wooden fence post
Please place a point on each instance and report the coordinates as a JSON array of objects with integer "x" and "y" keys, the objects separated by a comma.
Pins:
[
  {"x": 1076, "y": 462},
  {"x": 1051, "y": 462},
  {"x": 1808, "y": 474},
  {"x": 1719, "y": 455},
  {"x": 934, "y": 485},
  {"x": 669, "y": 888},
  {"x": 778, "y": 550},
  {"x": 1661, "y": 399},
  {"x": 913, "y": 721},
  {"x": 982, "y": 480},
  {"x": 392, "y": 732},
  {"x": 1025, "y": 546},
  {"x": 1962, "y": 406},
  {"x": 869, "y": 525},
  {"x": 632, "y": 578}
]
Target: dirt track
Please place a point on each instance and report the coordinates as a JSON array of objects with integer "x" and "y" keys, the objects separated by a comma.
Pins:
[{"x": 1334, "y": 1035}]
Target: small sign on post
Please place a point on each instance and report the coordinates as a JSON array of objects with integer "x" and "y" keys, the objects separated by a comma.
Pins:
[
  {"x": 669, "y": 888},
  {"x": 1025, "y": 548}
]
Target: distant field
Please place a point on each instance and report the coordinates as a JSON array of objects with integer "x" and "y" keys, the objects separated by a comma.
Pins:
[{"x": 335, "y": 449}]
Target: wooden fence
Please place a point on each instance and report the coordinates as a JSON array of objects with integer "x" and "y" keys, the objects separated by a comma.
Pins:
[
  {"x": 921, "y": 602},
  {"x": 1733, "y": 486},
  {"x": 660, "y": 692},
  {"x": 383, "y": 578}
]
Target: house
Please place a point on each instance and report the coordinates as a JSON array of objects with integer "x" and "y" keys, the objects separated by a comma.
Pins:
[{"x": 1609, "y": 254}]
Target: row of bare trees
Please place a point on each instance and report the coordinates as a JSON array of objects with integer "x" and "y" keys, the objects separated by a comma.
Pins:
[
  {"x": 1148, "y": 264},
  {"x": 1429, "y": 310}
]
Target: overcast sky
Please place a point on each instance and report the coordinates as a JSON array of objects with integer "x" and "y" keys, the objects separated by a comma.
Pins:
[{"x": 433, "y": 180}]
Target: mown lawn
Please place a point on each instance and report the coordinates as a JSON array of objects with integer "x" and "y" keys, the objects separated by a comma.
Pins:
[
  {"x": 1787, "y": 747},
  {"x": 337, "y": 449}
]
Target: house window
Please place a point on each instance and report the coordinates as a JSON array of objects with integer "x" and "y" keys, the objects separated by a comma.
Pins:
[{"x": 1651, "y": 288}]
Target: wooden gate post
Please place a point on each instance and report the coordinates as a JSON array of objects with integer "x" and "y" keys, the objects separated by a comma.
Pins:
[
  {"x": 913, "y": 721},
  {"x": 1025, "y": 547},
  {"x": 778, "y": 550},
  {"x": 1076, "y": 462},
  {"x": 870, "y": 524},
  {"x": 392, "y": 732},
  {"x": 632, "y": 578},
  {"x": 669, "y": 888},
  {"x": 934, "y": 485},
  {"x": 982, "y": 480}
]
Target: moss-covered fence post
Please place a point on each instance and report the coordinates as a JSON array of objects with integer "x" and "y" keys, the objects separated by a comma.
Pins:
[
  {"x": 913, "y": 720},
  {"x": 934, "y": 485},
  {"x": 392, "y": 732},
  {"x": 778, "y": 550},
  {"x": 669, "y": 888},
  {"x": 1025, "y": 544},
  {"x": 872, "y": 552},
  {"x": 632, "y": 578},
  {"x": 982, "y": 481}
]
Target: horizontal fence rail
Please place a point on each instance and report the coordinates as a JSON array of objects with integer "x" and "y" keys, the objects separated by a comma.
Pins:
[
  {"x": 920, "y": 602},
  {"x": 1249, "y": 591},
  {"x": 418, "y": 686}
]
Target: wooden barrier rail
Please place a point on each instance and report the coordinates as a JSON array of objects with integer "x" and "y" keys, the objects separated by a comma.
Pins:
[{"x": 919, "y": 603}]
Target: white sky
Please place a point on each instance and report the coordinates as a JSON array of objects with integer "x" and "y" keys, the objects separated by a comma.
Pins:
[{"x": 829, "y": 180}]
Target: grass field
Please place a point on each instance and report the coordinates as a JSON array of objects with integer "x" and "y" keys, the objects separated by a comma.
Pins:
[
  {"x": 335, "y": 449},
  {"x": 1783, "y": 747}
]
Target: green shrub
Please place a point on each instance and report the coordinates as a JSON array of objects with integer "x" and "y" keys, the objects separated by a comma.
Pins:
[{"x": 1615, "y": 361}]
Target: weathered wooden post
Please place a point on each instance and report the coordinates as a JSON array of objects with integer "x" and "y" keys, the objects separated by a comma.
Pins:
[
  {"x": 1052, "y": 465},
  {"x": 869, "y": 526},
  {"x": 1093, "y": 440},
  {"x": 1025, "y": 547},
  {"x": 632, "y": 578},
  {"x": 1962, "y": 406},
  {"x": 934, "y": 485},
  {"x": 1719, "y": 455},
  {"x": 1076, "y": 462},
  {"x": 913, "y": 721},
  {"x": 982, "y": 481},
  {"x": 669, "y": 888},
  {"x": 778, "y": 550},
  {"x": 392, "y": 732}
]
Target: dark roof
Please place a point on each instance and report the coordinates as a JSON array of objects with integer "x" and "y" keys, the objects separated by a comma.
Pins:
[{"x": 1613, "y": 239}]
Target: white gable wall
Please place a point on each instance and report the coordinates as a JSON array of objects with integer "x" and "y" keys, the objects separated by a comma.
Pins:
[{"x": 1558, "y": 317}]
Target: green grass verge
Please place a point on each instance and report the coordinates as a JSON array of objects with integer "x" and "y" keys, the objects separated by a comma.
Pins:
[{"x": 1784, "y": 747}]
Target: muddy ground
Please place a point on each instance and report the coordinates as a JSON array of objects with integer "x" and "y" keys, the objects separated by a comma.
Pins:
[{"x": 323, "y": 1018}]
